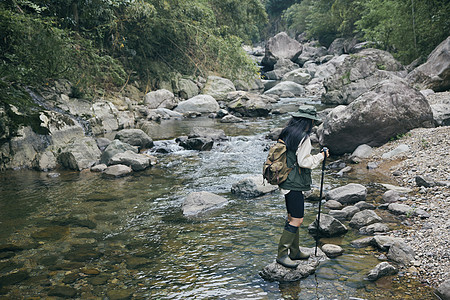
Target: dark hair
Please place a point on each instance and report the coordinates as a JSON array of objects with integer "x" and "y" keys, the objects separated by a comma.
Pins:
[{"x": 295, "y": 131}]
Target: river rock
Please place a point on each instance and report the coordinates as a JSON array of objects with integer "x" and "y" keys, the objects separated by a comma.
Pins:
[
  {"x": 45, "y": 161},
  {"x": 280, "y": 46},
  {"x": 115, "y": 147},
  {"x": 248, "y": 104},
  {"x": 400, "y": 209},
  {"x": 424, "y": 181},
  {"x": 364, "y": 218},
  {"x": 401, "y": 253},
  {"x": 80, "y": 154},
  {"x": 299, "y": 76},
  {"x": 435, "y": 72},
  {"x": 358, "y": 74},
  {"x": 374, "y": 228},
  {"x": 199, "y": 202},
  {"x": 311, "y": 52},
  {"x": 333, "y": 204},
  {"x": 363, "y": 205},
  {"x": 381, "y": 270},
  {"x": 102, "y": 143},
  {"x": 402, "y": 148},
  {"x": 329, "y": 227},
  {"x": 218, "y": 87},
  {"x": 390, "y": 108},
  {"x": 200, "y": 103},
  {"x": 160, "y": 99},
  {"x": 252, "y": 186},
  {"x": 286, "y": 88},
  {"x": 342, "y": 45},
  {"x": 347, "y": 194},
  {"x": 123, "y": 294},
  {"x": 338, "y": 214},
  {"x": 186, "y": 88},
  {"x": 118, "y": 170},
  {"x": 63, "y": 291},
  {"x": 391, "y": 196},
  {"x": 105, "y": 117},
  {"x": 99, "y": 168},
  {"x": 195, "y": 143},
  {"x": 251, "y": 85},
  {"x": 282, "y": 67},
  {"x": 383, "y": 242},
  {"x": 362, "y": 242},
  {"x": 331, "y": 250},
  {"x": 277, "y": 272},
  {"x": 137, "y": 162},
  {"x": 209, "y": 133},
  {"x": 443, "y": 291},
  {"x": 135, "y": 137},
  {"x": 440, "y": 105},
  {"x": 361, "y": 152}
]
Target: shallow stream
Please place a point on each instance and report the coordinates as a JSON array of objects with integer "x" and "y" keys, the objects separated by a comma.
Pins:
[{"x": 82, "y": 235}]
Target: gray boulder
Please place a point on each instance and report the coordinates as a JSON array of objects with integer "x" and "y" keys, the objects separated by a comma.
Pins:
[
  {"x": 388, "y": 109},
  {"x": 200, "y": 103},
  {"x": 253, "y": 186},
  {"x": 401, "y": 253},
  {"x": 311, "y": 52},
  {"x": 299, "y": 76},
  {"x": 362, "y": 205},
  {"x": 332, "y": 250},
  {"x": 115, "y": 147},
  {"x": 361, "y": 152},
  {"x": 362, "y": 242},
  {"x": 333, "y": 204},
  {"x": 400, "y": 149},
  {"x": 364, "y": 218},
  {"x": 381, "y": 270},
  {"x": 374, "y": 228},
  {"x": 435, "y": 72},
  {"x": 200, "y": 202},
  {"x": 45, "y": 161},
  {"x": 80, "y": 154},
  {"x": 391, "y": 196},
  {"x": 383, "y": 242},
  {"x": 440, "y": 105},
  {"x": 160, "y": 99},
  {"x": 280, "y": 46},
  {"x": 358, "y": 74},
  {"x": 342, "y": 46},
  {"x": 286, "y": 89},
  {"x": 277, "y": 272},
  {"x": 187, "y": 88},
  {"x": 135, "y": 137},
  {"x": 137, "y": 162},
  {"x": 209, "y": 133},
  {"x": 117, "y": 171},
  {"x": 248, "y": 104},
  {"x": 195, "y": 143},
  {"x": 218, "y": 87},
  {"x": 400, "y": 209},
  {"x": 105, "y": 117},
  {"x": 347, "y": 194},
  {"x": 443, "y": 290},
  {"x": 231, "y": 119},
  {"x": 329, "y": 227}
]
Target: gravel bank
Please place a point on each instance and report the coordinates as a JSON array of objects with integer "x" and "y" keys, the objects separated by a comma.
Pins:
[{"x": 428, "y": 156}]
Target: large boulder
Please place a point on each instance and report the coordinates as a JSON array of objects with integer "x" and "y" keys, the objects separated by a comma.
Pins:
[
  {"x": 440, "y": 105},
  {"x": 200, "y": 202},
  {"x": 347, "y": 194},
  {"x": 364, "y": 218},
  {"x": 285, "y": 88},
  {"x": 135, "y": 161},
  {"x": 328, "y": 227},
  {"x": 249, "y": 104},
  {"x": 300, "y": 76},
  {"x": 187, "y": 88},
  {"x": 115, "y": 147},
  {"x": 160, "y": 99},
  {"x": 135, "y": 137},
  {"x": 387, "y": 110},
  {"x": 105, "y": 117},
  {"x": 218, "y": 87},
  {"x": 252, "y": 187},
  {"x": 200, "y": 103},
  {"x": 342, "y": 46},
  {"x": 358, "y": 74},
  {"x": 435, "y": 72},
  {"x": 280, "y": 46},
  {"x": 311, "y": 52},
  {"x": 118, "y": 171},
  {"x": 209, "y": 133},
  {"x": 401, "y": 253},
  {"x": 80, "y": 154},
  {"x": 282, "y": 66}
]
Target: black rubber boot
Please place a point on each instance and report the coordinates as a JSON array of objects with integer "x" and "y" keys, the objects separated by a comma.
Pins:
[
  {"x": 286, "y": 240},
  {"x": 294, "y": 252}
]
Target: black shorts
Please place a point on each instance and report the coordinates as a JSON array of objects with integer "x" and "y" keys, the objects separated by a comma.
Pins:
[{"x": 295, "y": 204}]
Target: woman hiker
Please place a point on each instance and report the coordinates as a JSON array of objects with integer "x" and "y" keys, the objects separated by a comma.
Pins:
[{"x": 296, "y": 137}]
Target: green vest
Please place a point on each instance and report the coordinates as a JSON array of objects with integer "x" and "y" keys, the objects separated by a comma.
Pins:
[{"x": 296, "y": 181}]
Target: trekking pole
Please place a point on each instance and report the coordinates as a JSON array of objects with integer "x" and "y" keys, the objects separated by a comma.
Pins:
[{"x": 325, "y": 149}]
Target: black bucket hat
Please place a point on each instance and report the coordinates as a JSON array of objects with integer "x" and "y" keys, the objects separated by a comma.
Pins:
[{"x": 306, "y": 111}]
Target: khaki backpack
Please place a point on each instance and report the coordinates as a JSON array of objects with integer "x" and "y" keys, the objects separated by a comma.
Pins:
[{"x": 275, "y": 169}]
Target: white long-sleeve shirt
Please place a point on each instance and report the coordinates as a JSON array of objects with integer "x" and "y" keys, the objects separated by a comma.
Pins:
[{"x": 304, "y": 157}]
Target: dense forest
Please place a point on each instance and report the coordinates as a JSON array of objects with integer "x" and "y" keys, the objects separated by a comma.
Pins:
[{"x": 103, "y": 44}]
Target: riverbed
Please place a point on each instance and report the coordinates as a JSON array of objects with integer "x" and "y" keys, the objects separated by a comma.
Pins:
[{"x": 83, "y": 235}]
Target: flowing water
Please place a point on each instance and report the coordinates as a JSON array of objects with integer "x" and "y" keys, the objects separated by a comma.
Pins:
[{"x": 82, "y": 235}]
